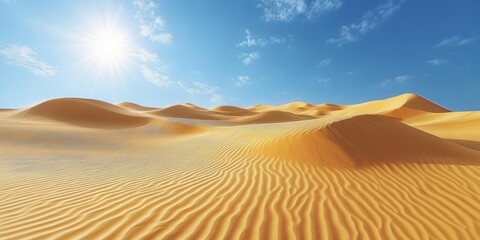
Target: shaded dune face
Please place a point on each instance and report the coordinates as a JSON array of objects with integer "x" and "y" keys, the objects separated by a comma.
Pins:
[
  {"x": 84, "y": 113},
  {"x": 397, "y": 168}
]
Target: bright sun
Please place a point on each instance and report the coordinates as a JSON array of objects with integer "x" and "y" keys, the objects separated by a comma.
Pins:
[{"x": 107, "y": 49}]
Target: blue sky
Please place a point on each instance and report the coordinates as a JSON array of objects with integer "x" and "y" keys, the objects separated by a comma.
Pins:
[{"x": 240, "y": 53}]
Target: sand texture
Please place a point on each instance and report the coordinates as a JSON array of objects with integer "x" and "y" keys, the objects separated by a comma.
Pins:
[{"x": 398, "y": 168}]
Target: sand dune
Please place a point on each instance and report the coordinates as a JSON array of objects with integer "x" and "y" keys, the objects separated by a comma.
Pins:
[
  {"x": 135, "y": 107},
  {"x": 358, "y": 142},
  {"x": 405, "y": 105},
  {"x": 398, "y": 168},
  {"x": 185, "y": 111},
  {"x": 83, "y": 112},
  {"x": 273, "y": 116},
  {"x": 232, "y": 111}
]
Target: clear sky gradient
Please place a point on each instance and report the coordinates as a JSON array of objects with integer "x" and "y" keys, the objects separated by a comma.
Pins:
[{"x": 242, "y": 52}]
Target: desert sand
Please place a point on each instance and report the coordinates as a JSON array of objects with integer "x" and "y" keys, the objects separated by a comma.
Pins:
[{"x": 398, "y": 168}]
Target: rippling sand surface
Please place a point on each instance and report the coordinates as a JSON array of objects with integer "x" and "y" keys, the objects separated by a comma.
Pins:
[{"x": 398, "y": 168}]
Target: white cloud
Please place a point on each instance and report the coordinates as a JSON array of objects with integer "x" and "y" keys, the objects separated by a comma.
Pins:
[
  {"x": 249, "y": 57},
  {"x": 321, "y": 6},
  {"x": 403, "y": 79},
  {"x": 156, "y": 76},
  {"x": 325, "y": 62},
  {"x": 251, "y": 40},
  {"x": 323, "y": 80},
  {"x": 287, "y": 10},
  {"x": 241, "y": 81},
  {"x": 371, "y": 19},
  {"x": 455, "y": 41},
  {"x": 151, "y": 25},
  {"x": 26, "y": 57},
  {"x": 437, "y": 61},
  {"x": 256, "y": 41},
  {"x": 277, "y": 40},
  {"x": 197, "y": 88},
  {"x": 201, "y": 88},
  {"x": 282, "y": 10},
  {"x": 143, "y": 55},
  {"x": 216, "y": 98}
]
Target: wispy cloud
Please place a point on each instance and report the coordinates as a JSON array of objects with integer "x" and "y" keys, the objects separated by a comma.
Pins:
[
  {"x": 201, "y": 88},
  {"x": 26, "y": 57},
  {"x": 324, "y": 62},
  {"x": 323, "y": 80},
  {"x": 277, "y": 40},
  {"x": 143, "y": 55},
  {"x": 249, "y": 57},
  {"x": 288, "y": 10},
  {"x": 251, "y": 40},
  {"x": 216, "y": 98},
  {"x": 241, "y": 81},
  {"x": 455, "y": 41},
  {"x": 320, "y": 6},
  {"x": 204, "y": 88},
  {"x": 149, "y": 67},
  {"x": 403, "y": 79},
  {"x": 156, "y": 76},
  {"x": 371, "y": 19},
  {"x": 437, "y": 61},
  {"x": 152, "y": 26},
  {"x": 282, "y": 10}
]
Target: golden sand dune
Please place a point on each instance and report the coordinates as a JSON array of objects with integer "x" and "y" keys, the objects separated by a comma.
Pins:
[
  {"x": 135, "y": 107},
  {"x": 185, "y": 111},
  {"x": 398, "y": 168},
  {"x": 232, "y": 111},
  {"x": 358, "y": 141},
  {"x": 273, "y": 116},
  {"x": 83, "y": 112}
]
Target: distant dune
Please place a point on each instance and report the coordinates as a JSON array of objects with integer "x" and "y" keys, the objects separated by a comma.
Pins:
[
  {"x": 396, "y": 168},
  {"x": 83, "y": 112}
]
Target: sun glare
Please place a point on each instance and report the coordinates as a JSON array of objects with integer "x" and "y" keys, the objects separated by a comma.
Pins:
[
  {"x": 106, "y": 49},
  {"x": 109, "y": 48}
]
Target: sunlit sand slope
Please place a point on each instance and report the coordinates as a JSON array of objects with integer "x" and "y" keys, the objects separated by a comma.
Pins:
[{"x": 399, "y": 168}]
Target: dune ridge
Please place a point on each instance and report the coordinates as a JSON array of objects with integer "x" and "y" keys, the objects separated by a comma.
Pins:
[{"x": 397, "y": 168}]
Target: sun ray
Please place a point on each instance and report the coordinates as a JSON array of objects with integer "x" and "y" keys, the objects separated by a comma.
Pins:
[{"x": 105, "y": 48}]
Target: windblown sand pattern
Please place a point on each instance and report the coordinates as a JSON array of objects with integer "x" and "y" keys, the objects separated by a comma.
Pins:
[{"x": 399, "y": 168}]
